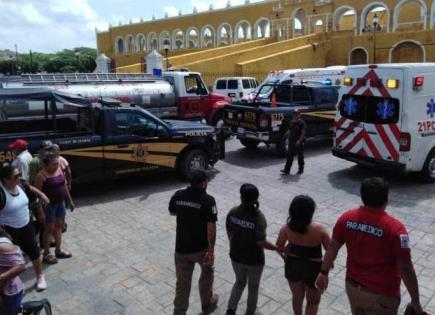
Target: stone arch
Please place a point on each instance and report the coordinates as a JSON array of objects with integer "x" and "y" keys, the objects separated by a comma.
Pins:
[
  {"x": 299, "y": 15},
  {"x": 398, "y": 8},
  {"x": 224, "y": 34},
  {"x": 242, "y": 31},
  {"x": 358, "y": 56},
  {"x": 318, "y": 26},
  {"x": 129, "y": 43},
  {"x": 208, "y": 36},
  {"x": 192, "y": 37},
  {"x": 140, "y": 42},
  {"x": 164, "y": 36},
  {"x": 178, "y": 39},
  {"x": 340, "y": 13},
  {"x": 407, "y": 51},
  {"x": 119, "y": 45},
  {"x": 262, "y": 28},
  {"x": 367, "y": 11},
  {"x": 152, "y": 41}
]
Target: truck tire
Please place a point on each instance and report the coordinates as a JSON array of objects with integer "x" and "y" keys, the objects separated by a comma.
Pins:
[
  {"x": 195, "y": 159},
  {"x": 250, "y": 144},
  {"x": 282, "y": 145},
  {"x": 428, "y": 171},
  {"x": 218, "y": 122}
]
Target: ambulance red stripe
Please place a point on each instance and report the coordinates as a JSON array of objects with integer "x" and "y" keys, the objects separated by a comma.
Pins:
[
  {"x": 371, "y": 146},
  {"x": 354, "y": 141},
  {"x": 395, "y": 130},
  {"x": 390, "y": 147},
  {"x": 347, "y": 132}
]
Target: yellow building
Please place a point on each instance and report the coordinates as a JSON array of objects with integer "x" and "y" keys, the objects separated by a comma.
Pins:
[{"x": 255, "y": 38}]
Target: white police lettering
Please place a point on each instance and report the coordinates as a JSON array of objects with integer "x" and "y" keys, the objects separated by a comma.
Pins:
[
  {"x": 365, "y": 228},
  {"x": 404, "y": 240},
  {"x": 242, "y": 223},
  {"x": 190, "y": 204}
]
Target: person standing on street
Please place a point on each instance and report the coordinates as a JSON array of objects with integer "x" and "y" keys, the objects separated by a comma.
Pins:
[
  {"x": 378, "y": 255},
  {"x": 301, "y": 240},
  {"x": 296, "y": 138},
  {"x": 196, "y": 214},
  {"x": 246, "y": 229},
  {"x": 22, "y": 159},
  {"x": 37, "y": 164}
]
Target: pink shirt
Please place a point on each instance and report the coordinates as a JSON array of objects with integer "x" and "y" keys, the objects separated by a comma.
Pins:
[{"x": 8, "y": 260}]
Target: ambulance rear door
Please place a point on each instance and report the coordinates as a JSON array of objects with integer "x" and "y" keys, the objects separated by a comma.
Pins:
[{"x": 368, "y": 121}]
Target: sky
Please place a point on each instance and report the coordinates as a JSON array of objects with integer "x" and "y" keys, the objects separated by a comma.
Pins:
[{"x": 54, "y": 25}]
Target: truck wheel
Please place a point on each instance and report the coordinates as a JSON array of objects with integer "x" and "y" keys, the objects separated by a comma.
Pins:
[
  {"x": 193, "y": 160},
  {"x": 428, "y": 171},
  {"x": 282, "y": 145},
  {"x": 218, "y": 122},
  {"x": 248, "y": 143}
]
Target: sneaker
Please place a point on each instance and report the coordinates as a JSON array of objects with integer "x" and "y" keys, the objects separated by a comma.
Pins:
[
  {"x": 300, "y": 171},
  {"x": 212, "y": 305},
  {"x": 41, "y": 284},
  {"x": 284, "y": 172}
]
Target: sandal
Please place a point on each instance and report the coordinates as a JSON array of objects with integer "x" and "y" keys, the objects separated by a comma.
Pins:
[
  {"x": 63, "y": 255},
  {"x": 49, "y": 259}
]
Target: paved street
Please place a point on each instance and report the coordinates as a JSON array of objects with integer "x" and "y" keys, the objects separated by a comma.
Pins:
[{"x": 122, "y": 236}]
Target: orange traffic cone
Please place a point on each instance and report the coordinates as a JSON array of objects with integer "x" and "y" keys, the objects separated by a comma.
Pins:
[{"x": 273, "y": 101}]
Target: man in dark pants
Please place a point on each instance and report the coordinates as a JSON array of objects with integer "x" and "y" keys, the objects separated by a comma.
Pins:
[
  {"x": 195, "y": 239},
  {"x": 296, "y": 138}
]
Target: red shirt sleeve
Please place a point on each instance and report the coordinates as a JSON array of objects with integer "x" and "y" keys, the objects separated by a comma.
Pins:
[
  {"x": 339, "y": 230},
  {"x": 401, "y": 246}
]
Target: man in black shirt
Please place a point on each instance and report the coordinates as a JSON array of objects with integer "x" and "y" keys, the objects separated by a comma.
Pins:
[
  {"x": 195, "y": 239},
  {"x": 296, "y": 138}
]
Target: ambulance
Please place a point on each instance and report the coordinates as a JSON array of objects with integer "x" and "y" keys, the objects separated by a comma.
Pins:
[{"x": 386, "y": 117}]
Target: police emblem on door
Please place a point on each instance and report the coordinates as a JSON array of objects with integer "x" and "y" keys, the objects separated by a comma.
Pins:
[{"x": 140, "y": 153}]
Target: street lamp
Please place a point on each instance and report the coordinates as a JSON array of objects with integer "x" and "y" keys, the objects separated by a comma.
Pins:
[
  {"x": 376, "y": 27},
  {"x": 166, "y": 48}
]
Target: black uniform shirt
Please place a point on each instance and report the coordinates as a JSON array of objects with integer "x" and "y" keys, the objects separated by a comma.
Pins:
[
  {"x": 295, "y": 129},
  {"x": 247, "y": 229},
  {"x": 194, "y": 208}
]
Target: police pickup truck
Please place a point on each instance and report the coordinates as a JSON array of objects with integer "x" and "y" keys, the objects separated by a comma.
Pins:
[
  {"x": 267, "y": 121},
  {"x": 103, "y": 142}
]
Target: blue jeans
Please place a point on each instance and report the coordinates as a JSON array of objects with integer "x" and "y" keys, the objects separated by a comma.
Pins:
[{"x": 11, "y": 304}]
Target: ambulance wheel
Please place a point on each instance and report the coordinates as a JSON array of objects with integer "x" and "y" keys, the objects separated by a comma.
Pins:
[
  {"x": 193, "y": 160},
  {"x": 428, "y": 171},
  {"x": 249, "y": 144}
]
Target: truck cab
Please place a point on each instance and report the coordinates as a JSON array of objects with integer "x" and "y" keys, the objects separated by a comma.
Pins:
[
  {"x": 193, "y": 98},
  {"x": 267, "y": 121}
]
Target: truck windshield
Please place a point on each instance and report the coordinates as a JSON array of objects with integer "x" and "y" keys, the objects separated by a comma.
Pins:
[{"x": 370, "y": 109}]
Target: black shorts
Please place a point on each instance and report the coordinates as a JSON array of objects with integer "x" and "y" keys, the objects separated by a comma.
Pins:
[
  {"x": 302, "y": 270},
  {"x": 25, "y": 239}
]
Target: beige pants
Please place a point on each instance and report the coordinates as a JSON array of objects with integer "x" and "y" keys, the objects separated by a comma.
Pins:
[
  {"x": 363, "y": 302},
  {"x": 184, "y": 265}
]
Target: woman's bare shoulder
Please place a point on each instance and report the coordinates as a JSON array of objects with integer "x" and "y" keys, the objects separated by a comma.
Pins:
[{"x": 7, "y": 248}]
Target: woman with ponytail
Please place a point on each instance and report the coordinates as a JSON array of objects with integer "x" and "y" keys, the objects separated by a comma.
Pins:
[
  {"x": 246, "y": 229},
  {"x": 302, "y": 241}
]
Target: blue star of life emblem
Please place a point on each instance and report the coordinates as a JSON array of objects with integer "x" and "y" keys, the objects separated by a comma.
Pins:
[
  {"x": 431, "y": 108},
  {"x": 350, "y": 106},
  {"x": 385, "y": 109}
]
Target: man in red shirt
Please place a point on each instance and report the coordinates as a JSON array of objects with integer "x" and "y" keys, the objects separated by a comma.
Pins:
[{"x": 378, "y": 255}]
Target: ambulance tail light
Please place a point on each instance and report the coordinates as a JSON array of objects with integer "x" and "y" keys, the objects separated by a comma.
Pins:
[
  {"x": 405, "y": 141},
  {"x": 418, "y": 82},
  {"x": 347, "y": 81},
  {"x": 263, "y": 121}
]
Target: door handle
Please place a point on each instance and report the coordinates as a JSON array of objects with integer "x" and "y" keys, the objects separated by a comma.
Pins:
[{"x": 122, "y": 145}]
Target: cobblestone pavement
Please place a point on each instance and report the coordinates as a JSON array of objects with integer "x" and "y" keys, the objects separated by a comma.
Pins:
[{"x": 122, "y": 236}]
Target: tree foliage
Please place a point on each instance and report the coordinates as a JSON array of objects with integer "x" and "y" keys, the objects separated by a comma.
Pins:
[{"x": 79, "y": 59}]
